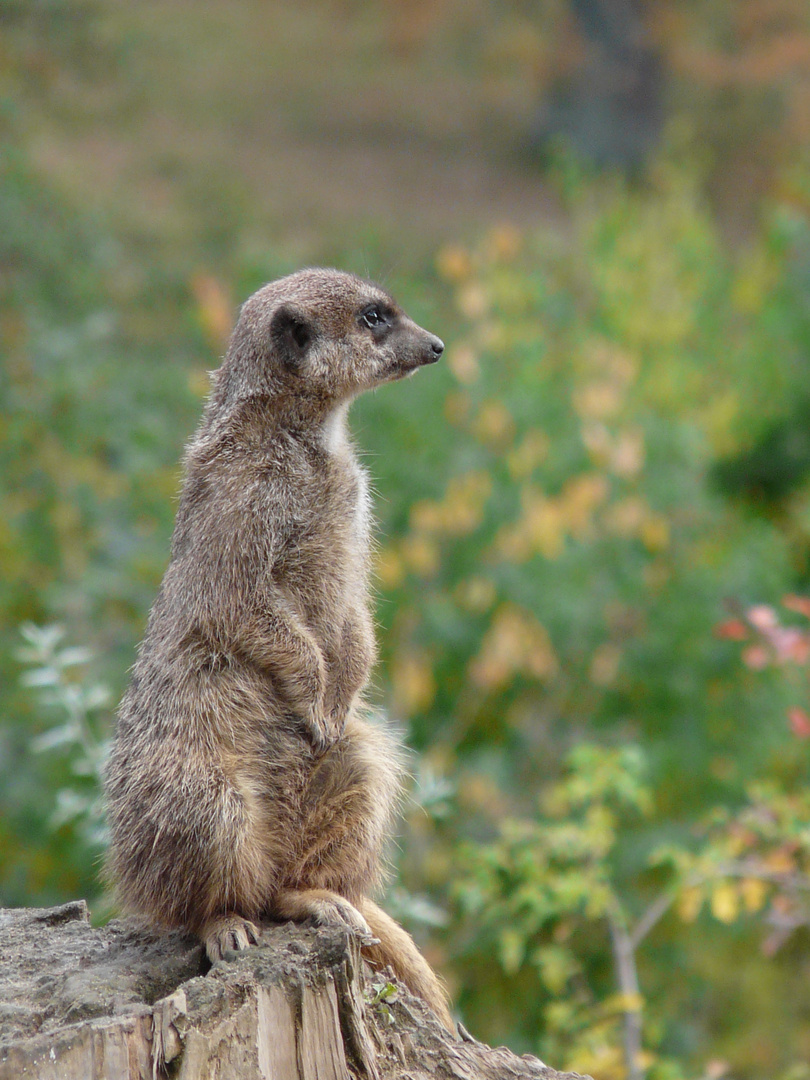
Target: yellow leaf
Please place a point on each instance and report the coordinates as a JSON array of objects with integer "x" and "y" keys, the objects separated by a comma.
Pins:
[
  {"x": 412, "y": 681},
  {"x": 427, "y": 516},
  {"x": 472, "y": 301},
  {"x": 627, "y": 517},
  {"x": 494, "y": 425},
  {"x": 214, "y": 309},
  {"x": 512, "y": 949},
  {"x": 780, "y": 862},
  {"x": 754, "y": 893},
  {"x": 475, "y": 594},
  {"x": 598, "y": 442},
  {"x": 541, "y": 528},
  {"x": 605, "y": 664},
  {"x": 453, "y": 263},
  {"x": 625, "y": 1003},
  {"x": 463, "y": 363},
  {"x": 605, "y": 1061},
  {"x": 503, "y": 243},
  {"x": 597, "y": 400},
  {"x": 655, "y": 533},
  {"x": 515, "y": 643},
  {"x": 461, "y": 510},
  {"x": 389, "y": 568},
  {"x": 581, "y": 495},
  {"x": 689, "y": 904},
  {"x": 627, "y": 456},
  {"x": 421, "y": 555},
  {"x": 546, "y": 528},
  {"x": 725, "y": 902},
  {"x": 528, "y": 455},
  {"x": 610, "y": 360}
]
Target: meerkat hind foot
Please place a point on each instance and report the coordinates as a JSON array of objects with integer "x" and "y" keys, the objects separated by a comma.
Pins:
[
  {"x": 228, "y": 933},
  {"x": 325, "y": 908}
]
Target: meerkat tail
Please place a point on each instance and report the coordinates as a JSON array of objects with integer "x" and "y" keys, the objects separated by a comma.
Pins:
[{"x": 398, "y": 950}]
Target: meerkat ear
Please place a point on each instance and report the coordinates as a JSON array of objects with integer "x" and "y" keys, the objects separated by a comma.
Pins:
[{"x": 291, "y": 334}]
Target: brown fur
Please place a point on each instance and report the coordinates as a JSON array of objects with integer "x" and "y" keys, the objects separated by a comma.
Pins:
[{"x": 244, "y": 782}]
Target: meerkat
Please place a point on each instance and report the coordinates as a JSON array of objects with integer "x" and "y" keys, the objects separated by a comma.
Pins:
[{"x": 245, "y": 783}]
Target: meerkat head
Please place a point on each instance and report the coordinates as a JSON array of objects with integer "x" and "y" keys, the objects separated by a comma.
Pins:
[{"x": 323, "y": 336}]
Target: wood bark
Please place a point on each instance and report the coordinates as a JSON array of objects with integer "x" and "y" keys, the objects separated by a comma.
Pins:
[{"x": 127, "y": 1003}]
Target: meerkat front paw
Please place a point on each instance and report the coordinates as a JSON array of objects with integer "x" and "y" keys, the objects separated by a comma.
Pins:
[
  {"x": 228, "y": 933},
  {"x": 337, "y": 719},
  {"x": 323, "y": 731}
]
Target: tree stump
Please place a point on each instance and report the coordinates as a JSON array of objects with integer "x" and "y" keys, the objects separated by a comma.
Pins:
[{"x": 127, "y": 1003}]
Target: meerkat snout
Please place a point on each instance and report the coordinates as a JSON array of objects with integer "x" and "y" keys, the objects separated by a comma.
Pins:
[
  {"x": 437, "y": 348},
  {"x": 412, "y": 348}
]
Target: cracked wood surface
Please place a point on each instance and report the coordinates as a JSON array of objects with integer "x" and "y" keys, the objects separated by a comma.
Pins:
[{"x": 127, "y": 1003}]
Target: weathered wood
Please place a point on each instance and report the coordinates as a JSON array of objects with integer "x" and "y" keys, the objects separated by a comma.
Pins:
[
  {"x": 321, "y": 1040},
  {"x": 276, "y": 1035},
  {"x": 126, "y": 1003}
]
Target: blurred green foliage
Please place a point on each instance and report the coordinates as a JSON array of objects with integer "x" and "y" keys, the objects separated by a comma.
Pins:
[
  {"x": 555, "y": 556},
  {"x": 561, "y": 580}
]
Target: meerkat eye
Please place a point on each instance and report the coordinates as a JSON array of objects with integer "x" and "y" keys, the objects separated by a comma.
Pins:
[{"x": 372, "y": 317}]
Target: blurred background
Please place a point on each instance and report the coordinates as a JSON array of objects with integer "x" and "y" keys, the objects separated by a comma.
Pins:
[{"x": 594, "y": 514}]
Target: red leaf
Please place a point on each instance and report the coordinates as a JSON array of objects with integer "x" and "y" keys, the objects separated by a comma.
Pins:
[
  {"x": 799, "y": 722},
  {"x": 756, "y": 657},
  {"x": 797, "y": 603}
]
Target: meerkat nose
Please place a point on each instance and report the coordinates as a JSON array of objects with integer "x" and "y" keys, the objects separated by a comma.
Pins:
[{"x": 437, "y": 347}]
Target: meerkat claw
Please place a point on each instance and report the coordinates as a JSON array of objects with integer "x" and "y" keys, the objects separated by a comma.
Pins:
[{"x": 229, "y": 933}]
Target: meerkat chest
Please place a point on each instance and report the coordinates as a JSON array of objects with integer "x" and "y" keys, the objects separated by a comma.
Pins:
[{"x": 328, "y": 524}]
